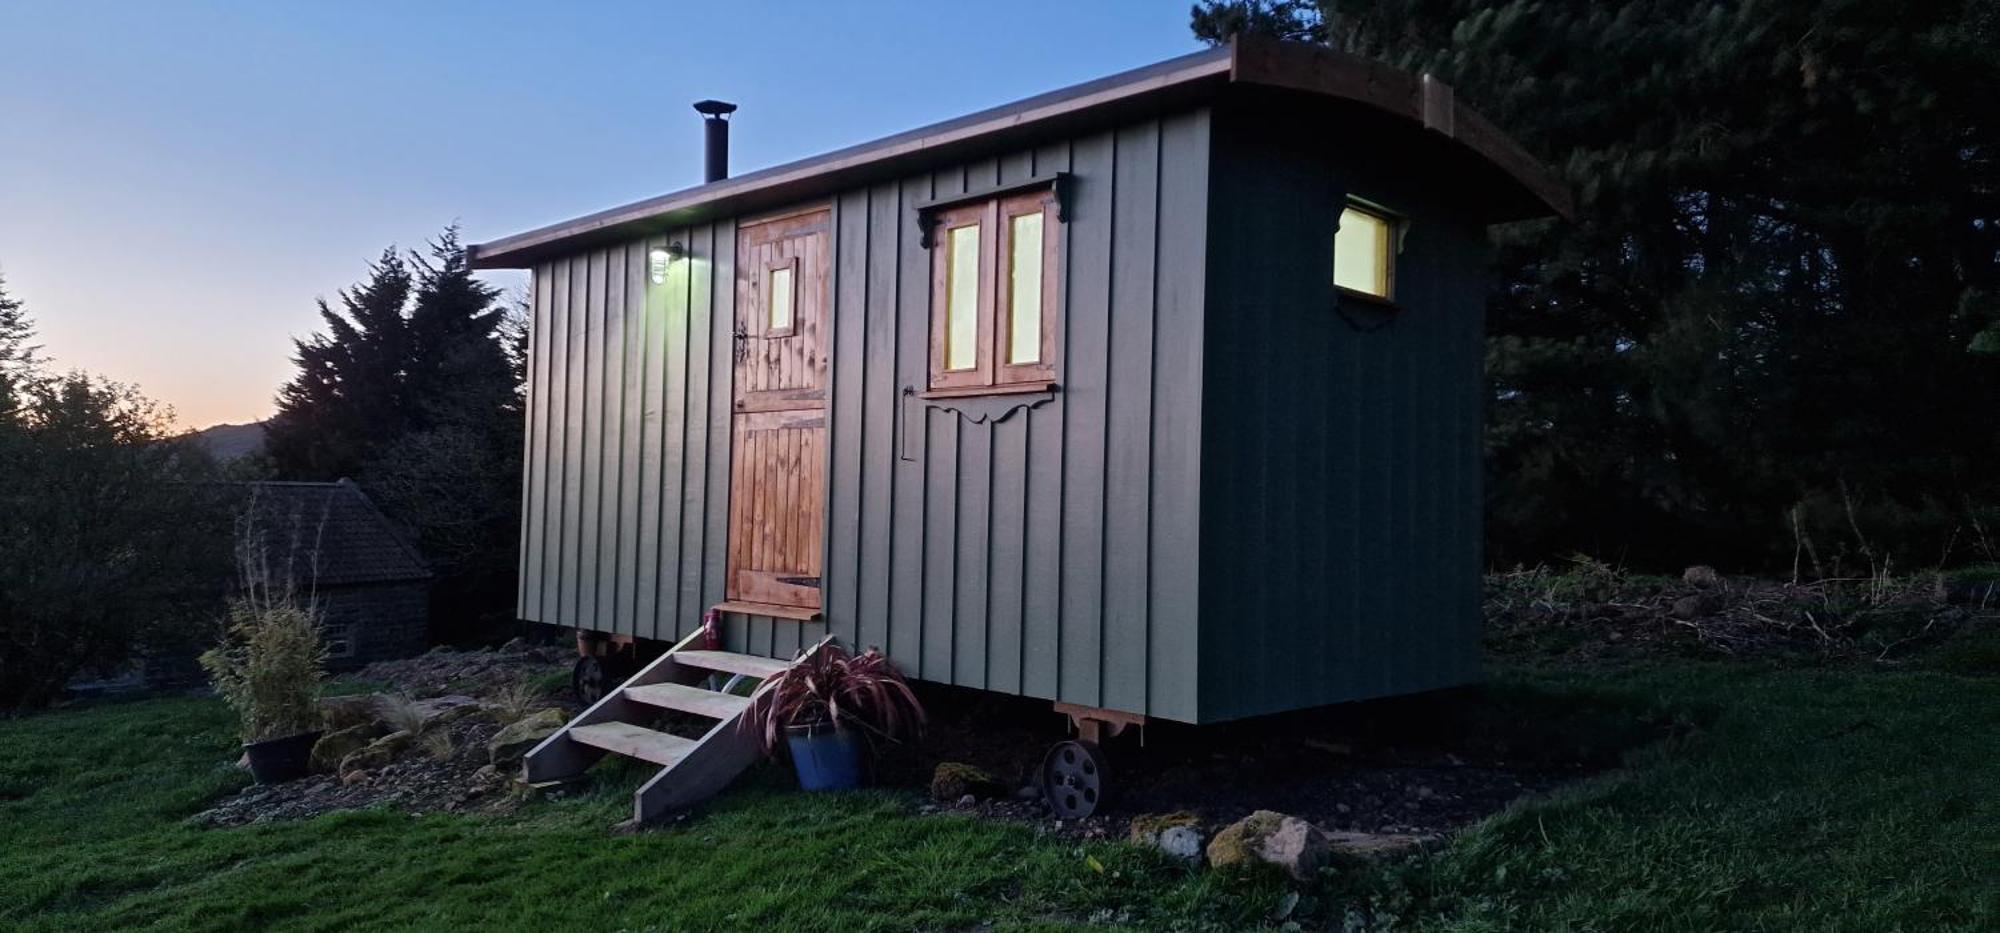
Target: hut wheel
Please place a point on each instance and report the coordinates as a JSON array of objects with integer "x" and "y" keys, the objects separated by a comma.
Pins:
[
  {"x": 1075, "y": 778},
  {"x": 587, "y": 680}
]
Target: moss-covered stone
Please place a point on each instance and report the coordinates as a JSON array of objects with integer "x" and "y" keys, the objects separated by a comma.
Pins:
[
  {"x": 1146, "y": 828},
  {"x": 376, "y": 754},
  {"x": 1270, "y": 838},
  {"x": 954, "y": 779},
  {"x": 518, "y": 738},
  {"x": 333, "y": 747}
]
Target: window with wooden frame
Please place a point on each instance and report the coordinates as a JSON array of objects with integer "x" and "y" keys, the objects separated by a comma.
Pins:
[
  {"x": 781, "y": 284},
  {"x": 1364, "y": 251},
  {"x": 993, "y": 294}
]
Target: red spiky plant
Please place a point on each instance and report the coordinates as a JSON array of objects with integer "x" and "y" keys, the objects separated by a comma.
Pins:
[{"x": 863, "y": 691}]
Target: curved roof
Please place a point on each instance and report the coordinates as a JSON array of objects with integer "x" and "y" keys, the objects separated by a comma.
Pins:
[{"x": 1185, "y": 81}]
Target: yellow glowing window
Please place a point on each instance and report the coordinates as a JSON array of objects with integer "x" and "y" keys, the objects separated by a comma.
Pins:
[
  {"x": 993, "y": 295},
  {"x": 1364, "y": 252},
  {"x": 1024, "y": 289},
  {"x": 961, "y": 328},
  {"x": 782, "y": 294}
]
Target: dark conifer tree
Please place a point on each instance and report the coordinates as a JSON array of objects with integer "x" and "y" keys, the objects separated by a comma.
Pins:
[
  {"x": 1788, "y": 240},
  {"x": 349, "y": 395}
]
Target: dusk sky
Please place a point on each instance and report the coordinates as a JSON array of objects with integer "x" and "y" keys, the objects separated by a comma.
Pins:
[{"x": 179, "y": 181}]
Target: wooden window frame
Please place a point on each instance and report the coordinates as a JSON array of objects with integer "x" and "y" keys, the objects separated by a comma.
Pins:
[
  {"x": 991, "y": 373},
  {"x": 770, "y": 277},
  {"x": 1397, "y": 225}
]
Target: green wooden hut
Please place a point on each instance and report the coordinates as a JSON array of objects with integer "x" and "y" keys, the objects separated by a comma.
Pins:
[{"x": 1157, "y": 396}]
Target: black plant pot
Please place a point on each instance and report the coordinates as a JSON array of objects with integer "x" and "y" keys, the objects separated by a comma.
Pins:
[{"x": 287, "y": 758}]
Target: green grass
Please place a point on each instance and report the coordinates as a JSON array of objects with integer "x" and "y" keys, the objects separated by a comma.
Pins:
[{"x": 1805, "y": 800}]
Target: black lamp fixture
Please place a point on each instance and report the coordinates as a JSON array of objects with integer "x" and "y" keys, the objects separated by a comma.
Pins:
[{"x": 659, "y": 257}]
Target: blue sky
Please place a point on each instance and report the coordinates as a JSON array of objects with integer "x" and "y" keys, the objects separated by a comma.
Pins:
[{"x": 179, "y": 181}]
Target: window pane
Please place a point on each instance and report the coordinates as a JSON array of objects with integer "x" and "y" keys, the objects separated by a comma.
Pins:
[
  {"x": 961, "y": 322},
  {"x": 781, "y": 298},
  {"x": 1024, "y": 290},
  {"x": 1361, "y": 252}
]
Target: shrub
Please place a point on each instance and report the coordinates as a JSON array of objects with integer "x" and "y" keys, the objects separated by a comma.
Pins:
[
  {"x": 113, "y": 540},
  {"x": 269, "y": 670},
  {"x": 863, "y": 691}
]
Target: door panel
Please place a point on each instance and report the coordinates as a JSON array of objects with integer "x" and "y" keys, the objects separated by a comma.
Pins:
[{"x": 777, "y": 495}]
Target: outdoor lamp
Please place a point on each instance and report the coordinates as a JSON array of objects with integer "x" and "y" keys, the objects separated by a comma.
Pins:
[{"x": 658, "y": 257}]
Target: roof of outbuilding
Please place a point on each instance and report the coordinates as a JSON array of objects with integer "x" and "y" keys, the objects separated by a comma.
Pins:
[
  {"x": 1186, "y": 80},
  {"x": 327, "y": 534}
]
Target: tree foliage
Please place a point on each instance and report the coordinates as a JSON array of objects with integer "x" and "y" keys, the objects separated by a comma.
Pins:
[
  {"x": 414, "y": 390},
  {"x": 1763, "y": 337},
  {"x": 112, "y": 535}
]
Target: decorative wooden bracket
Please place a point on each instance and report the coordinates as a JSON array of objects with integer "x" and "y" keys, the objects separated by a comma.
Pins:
[
  {"x": 973, "y": 409},
  {"x": 1061, "y": 183}
]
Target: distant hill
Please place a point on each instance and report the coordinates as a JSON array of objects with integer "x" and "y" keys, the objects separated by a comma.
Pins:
[{"x": 228, "y": 442}]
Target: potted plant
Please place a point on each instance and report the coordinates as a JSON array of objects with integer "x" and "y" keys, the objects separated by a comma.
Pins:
[
  {"x": 269, "y": 669},
  {"x": 824, "y": 705}
]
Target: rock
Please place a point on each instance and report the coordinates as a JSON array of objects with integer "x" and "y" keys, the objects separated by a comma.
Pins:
[
  {"x": 1293, "y": 845},
  {"x": 513, "y": 741},
  {"x": 953, "y": 780},
  {"x": 1178, "y": 833},
  {"x": 1701, "y": 575},
  {"x": 347, "y": 712},
  {"x": 438, "y": 711},
  {"x": 333, "y": 747},
  {"x": 375, "y": 754},
  {"x": 1181, "y": 842},
  {"x": 1374, "y": 845}
]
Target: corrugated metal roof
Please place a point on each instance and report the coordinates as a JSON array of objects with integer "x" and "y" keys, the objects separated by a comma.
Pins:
[
  {"x": 1185, "y": 80},
  {"x": 327, "y": 534}
]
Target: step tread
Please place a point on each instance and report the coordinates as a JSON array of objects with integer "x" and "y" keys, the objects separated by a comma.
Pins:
[
  {"x": 688, "y": 699},
  {"x": 730, "y": 662},
  {"x": 634, "y": 741}
]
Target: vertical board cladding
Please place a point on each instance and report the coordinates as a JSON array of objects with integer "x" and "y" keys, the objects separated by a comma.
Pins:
[
  {"x": 1025, "y": 553},
  {"x": 1050, "y": 552},
  {"x": 1340, "y": 544},
  {"x": 626, "y": 483}
]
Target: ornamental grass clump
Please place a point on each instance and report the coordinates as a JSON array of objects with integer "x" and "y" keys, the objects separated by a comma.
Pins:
[
  {"x": 269, "y": 668},
  {"x": 272, "y": 661},
  {"x": 831, "y": 687}
]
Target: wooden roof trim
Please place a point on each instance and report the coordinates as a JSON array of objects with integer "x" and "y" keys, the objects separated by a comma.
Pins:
[
  {"x": 1319, "y": 70},
  {"x": 1247, "y": 61}
]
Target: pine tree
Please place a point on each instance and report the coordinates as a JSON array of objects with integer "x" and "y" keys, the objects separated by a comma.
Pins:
[
  {"x": 1788, "y": 238},
  {"x": 349, "y": 394},
  {"x": 18, "y": 357}
]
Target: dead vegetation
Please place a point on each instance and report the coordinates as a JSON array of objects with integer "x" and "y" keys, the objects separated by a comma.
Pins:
[{"x": 1588, "y": 610}]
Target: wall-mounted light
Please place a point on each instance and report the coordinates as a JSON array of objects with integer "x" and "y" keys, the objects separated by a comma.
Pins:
[{"x": 658, "y": 257}]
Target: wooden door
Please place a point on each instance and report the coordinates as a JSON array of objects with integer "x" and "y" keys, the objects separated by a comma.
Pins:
[{"x": 777, "y": 491}]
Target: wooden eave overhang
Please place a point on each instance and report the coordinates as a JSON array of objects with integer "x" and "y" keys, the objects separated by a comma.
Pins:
[{"x": 1174, "y": 83}]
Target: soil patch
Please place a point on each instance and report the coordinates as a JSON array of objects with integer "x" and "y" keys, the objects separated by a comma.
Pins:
[
  {"x": 447, "y": 767},
  {"x": 1420, "y": 766},
  {"x": 479, "y": 672}
]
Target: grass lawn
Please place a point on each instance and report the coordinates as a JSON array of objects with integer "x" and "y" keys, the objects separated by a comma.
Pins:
[{"x": 1823, "y": 800}]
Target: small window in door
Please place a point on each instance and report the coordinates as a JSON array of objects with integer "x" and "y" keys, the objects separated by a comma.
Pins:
[
  {"x": 780, "y": 283},
  {"x": 993, "y": 295},
  {"x": 1364, "y": 252}
]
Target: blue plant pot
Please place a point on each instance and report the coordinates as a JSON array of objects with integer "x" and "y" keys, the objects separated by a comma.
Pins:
[{"x": 826, "y": 758}]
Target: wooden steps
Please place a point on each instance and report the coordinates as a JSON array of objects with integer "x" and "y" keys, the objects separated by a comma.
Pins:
[
  {"x": 686, "y": 699},
  {"x": 691, "y": 769},
  {"x": 633, "y": 741},
  {"x": 729, "y": 663}
]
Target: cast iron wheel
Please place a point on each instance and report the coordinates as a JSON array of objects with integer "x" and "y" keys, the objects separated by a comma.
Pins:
[
  {"x": 1074, "y": 779},
  {"x": 588, "y": 680}
]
